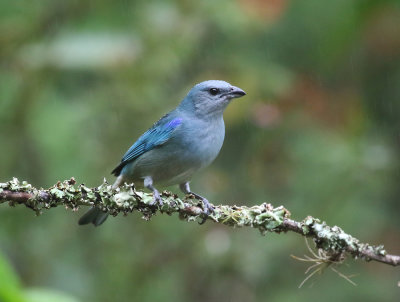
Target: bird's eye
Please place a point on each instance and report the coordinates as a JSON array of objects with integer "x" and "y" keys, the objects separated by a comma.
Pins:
[{"x": 214, "y": 91}]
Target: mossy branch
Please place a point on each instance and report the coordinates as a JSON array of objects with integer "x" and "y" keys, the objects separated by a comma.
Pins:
[{"x": 333, "y": 241}]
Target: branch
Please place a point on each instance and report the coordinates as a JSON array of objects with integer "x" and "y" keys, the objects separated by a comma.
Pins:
[{"x": 332, "y": 241}]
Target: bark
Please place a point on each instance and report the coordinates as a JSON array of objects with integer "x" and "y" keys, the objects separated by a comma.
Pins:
[{"x": 333, "y": 243}]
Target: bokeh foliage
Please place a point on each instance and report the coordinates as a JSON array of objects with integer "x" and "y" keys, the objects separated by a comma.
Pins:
[{"x": 318, "y": 133}]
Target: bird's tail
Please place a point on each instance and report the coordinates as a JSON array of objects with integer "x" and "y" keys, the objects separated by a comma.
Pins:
[{"x": 95, "y": 216}]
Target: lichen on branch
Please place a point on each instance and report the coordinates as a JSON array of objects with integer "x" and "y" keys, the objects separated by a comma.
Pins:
[{"x": 335, "y": 243}]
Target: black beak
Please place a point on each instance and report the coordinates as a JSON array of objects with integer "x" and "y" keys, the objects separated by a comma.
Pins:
[{"x": 236, "y": 92}]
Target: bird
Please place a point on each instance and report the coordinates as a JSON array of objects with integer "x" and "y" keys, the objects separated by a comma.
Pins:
[{"x": 182, "y": 142}]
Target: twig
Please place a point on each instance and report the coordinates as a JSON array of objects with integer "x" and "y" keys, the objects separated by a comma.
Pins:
[
  {"x": 321, "y": 261},
  {"x": 335, "y": 243}
]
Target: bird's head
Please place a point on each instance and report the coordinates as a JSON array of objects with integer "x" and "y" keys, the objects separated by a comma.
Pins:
[{"x": 211, "y": 97}]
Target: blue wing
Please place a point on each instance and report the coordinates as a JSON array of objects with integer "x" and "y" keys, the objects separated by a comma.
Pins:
[{"x": 155, "y": 136}]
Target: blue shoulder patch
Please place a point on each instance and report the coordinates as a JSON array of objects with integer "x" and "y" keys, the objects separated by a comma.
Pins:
[{"x": 175, "y": 122}]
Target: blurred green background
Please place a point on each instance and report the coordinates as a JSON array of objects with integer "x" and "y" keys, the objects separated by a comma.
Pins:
[{"x": 318, "y": 132}]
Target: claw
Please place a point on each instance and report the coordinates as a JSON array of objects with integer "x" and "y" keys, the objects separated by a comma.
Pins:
[
  {"x": 156, "y": 199},
  {"x": 207, "y": 210},
  {"x": 207, "y": 207}
]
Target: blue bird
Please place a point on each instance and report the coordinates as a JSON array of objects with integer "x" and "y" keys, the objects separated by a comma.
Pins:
[{"x": 182, "y": 142}]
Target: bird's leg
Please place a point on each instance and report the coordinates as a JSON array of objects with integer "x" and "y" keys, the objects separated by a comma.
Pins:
[
  {"x": 118, "y": 182},
  {"x": 207, "y": 207},
  {"x": 148, "y": 183}
]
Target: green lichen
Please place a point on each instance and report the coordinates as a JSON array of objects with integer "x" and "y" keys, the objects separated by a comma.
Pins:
[{"x": 126, "y": 199}]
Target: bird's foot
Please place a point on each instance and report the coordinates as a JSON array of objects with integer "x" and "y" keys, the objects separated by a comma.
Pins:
[
  {"x": 207, "y": 209},
  {"x": 156, "y": 199}
]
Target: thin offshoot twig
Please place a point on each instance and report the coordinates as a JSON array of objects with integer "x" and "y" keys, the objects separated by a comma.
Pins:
[{"x": 322, "y": 260}]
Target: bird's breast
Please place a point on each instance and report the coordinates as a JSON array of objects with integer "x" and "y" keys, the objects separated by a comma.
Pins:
[{"x": 202, "y": 140}]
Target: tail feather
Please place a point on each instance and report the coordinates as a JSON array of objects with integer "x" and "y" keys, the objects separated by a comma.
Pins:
[
  {"x": 95, "y": 216},
  {"x": 118, "y": 169}
]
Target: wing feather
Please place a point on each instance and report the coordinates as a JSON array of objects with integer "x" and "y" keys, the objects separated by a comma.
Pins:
[{"x": 157, "y": 135}]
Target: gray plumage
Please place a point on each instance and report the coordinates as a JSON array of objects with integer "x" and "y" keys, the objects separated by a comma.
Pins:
[{"x": 182, "y": 142}]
